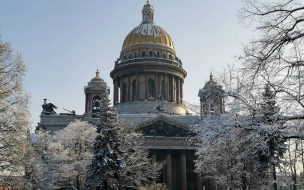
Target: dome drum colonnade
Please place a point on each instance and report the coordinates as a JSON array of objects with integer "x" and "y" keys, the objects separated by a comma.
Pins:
[
  {"x": 159, "y": 79},
  {"x": 148, "y": 69}
]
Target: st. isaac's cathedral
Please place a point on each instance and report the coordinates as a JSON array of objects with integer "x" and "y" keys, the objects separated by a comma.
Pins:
[{"x": 148, "y": 79}]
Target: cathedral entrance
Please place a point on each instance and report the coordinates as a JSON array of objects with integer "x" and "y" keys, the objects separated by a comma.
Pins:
[{"x": 178, "y": 173}]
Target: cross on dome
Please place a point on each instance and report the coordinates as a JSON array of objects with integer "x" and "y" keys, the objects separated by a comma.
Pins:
[{"x": 148, "y": 1}]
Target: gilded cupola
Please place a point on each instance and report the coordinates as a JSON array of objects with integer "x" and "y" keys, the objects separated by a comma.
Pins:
[
  {"x": 97, "y": 78},
  {"x": 148, "y": 31}
]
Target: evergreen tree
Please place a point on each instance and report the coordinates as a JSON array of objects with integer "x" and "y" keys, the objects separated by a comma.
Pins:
[
  {"x": 268, "y": 106},
  {"x": 106, "y": 165},
  {"x": 271, "y": 145}
]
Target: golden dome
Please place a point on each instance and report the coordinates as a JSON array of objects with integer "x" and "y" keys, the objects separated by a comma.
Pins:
[
  {"x": 148, "y": 33},
  {"x": 211, "y": 83},
  {"x": 97, "y": 78}
]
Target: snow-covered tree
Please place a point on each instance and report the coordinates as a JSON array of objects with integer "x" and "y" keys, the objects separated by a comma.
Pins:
[
  {"x": 268, "y": 107},
  {"x": 14, "y": 114},
  {"x": 71, "y": 151},
  {"x": 273, "y": 58},
  {"x": 251, "y": 129},
  {"x": 279, "y": 43},
  {"x": 270, "y": 144},
  {"x": 222, "y": 153},
  {"x": 105, "y": 168},
  {"x": 42, "y": 164},
  {"x": 139, "y": 168},
  {"x": 275, "y": 55}
]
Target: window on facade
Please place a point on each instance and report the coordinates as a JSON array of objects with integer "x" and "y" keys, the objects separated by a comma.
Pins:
[
  {"x": 150, "y": 53},
  {"x": 124, "y": 90},
  {"x": 143, "y": 54},
  {"x": 164, "y": 55},
  {"x": 157, "y": 54},
  {"x": 151, "y": 88},
  {"x": 135, "y": 54},
  {"x": 170, "y": 57},
  {"x": 134, "y": 90},
  {"x": 130, "y": 56}
]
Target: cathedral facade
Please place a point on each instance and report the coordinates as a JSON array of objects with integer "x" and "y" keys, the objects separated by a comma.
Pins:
[{"x": 148, "y": 83}]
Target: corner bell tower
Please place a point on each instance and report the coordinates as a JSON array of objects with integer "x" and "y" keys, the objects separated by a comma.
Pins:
[
  {"x": 93, "y": 93},
  {"x": 211, "y": 98}
]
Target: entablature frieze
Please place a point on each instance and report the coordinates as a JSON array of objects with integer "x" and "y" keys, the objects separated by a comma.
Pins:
[{"x": 168, "y": 143}]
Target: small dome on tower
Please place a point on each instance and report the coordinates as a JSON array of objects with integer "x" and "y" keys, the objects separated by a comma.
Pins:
[
  {"x": 97, "y": 78},
  {"x": 211, "y": 83},
  {"x": 209, "y": 86}
]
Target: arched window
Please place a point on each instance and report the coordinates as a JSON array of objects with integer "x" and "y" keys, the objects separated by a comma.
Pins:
[
  {"x": 134, "y": 90},
  {"x": 164, "y": 55},
  {"x": 151, "y": 88},
  {"x": 125, "y": 93},
  {"x": 96, "y": 104}
]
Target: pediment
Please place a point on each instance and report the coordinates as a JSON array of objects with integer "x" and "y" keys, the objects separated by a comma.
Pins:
[{"x": 163, "y": 126}]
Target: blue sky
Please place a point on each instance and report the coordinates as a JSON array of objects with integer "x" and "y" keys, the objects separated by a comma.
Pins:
[{"x": 63, "y": 42}]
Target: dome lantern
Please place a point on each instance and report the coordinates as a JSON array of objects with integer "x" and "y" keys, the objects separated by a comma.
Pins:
[{"x": 148, "y": 13}]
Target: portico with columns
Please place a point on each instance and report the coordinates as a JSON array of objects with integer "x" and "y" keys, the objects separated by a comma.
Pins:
[
  {"x": 167, "y": 140},
  {"x": 147, "y": 74}
]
